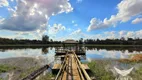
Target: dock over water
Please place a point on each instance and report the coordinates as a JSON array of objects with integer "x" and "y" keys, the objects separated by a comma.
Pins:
[{"x": 71, "y": 68}]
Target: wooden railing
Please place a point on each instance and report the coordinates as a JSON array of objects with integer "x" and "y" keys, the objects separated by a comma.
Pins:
[
  {"x": 62, "y": 68},
  {"x": 83, "y": 74},
  {"x": 81, "y": 68}
]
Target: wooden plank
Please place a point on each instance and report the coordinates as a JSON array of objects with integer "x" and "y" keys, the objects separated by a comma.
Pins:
[
  {"x": 75, "y": 75},
  {"x": 71, "y": 70},
  {"x": 65, "y": 72},
  {"x": 56, "y": 66},
  {"x": 74, "y": 70},
  {"x": 84, "y": 72},
  {"x": 85, "y": 66},
  {"x": 64, "y": 75}
]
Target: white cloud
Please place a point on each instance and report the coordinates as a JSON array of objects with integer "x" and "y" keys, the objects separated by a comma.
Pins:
[
  {"x": 76, "y": 32},
  {"x": 125, "y": 34},
  {"x": 110, "y": 34},
  {"x": 55, "y": 29},
  {"x": 96, "y": 24},
  {"x": 121, "y": 33},
  {"x": 1, "y": 20},
  {"x": 130, "y": 34},
  {"x": 79, "y": 1},
  {"x": 138, "y": 34},
  {"x": 73, "y": 21},
  {"x": 23, "y": 33},
  {"x": 75, "y": 24},
  {"x": 126, "y": 10},
  {"x": 107, "y": 35},
  {"x": 33, "y": 15},
  {"x": 12, "y": 0},
  {"x": 69, "y": 29},
  {"x": 137, "y": 20},
  {"x": 4, "y": 3}
]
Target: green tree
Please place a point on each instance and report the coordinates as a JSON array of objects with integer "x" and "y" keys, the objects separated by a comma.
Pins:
[
  {"x": 45, "y": 39},
  {"x": 81, "y": 40}
]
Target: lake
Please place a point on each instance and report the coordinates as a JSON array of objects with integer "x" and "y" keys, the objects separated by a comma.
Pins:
[
  {"x": 91, "y": 52},
  {"x": 47, "y": 54}
]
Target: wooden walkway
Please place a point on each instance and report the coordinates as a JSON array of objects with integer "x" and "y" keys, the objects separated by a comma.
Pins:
[
  {"x": 72, "y": 69},
  {"x": 71, "y": 72}
]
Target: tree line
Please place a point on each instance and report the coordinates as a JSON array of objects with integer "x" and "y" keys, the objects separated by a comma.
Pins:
[
  {"x": 122, "y": 41},
  {"x": 45, "y": 40}
]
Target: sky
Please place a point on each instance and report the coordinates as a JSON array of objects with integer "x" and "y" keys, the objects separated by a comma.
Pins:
[{"x": 70, "y": 19}]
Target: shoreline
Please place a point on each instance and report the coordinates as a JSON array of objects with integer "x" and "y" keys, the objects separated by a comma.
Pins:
[
  {"x": 22, "y": 66},
  {"x": 50, "y": 45}
]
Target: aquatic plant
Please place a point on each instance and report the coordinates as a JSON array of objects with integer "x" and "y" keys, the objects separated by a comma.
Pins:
[
  {"x": 98, "y": 70},
  {"x": 5, "y": 68}
]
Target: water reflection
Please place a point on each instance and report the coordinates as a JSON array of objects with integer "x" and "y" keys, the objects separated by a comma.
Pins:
[
  {"x": 114, "y": 54},
  {"x": 45, "y": 58},
  {"x": 44, "y": 50},
  {"x": 116, "y": 48},
  {"x": 91, "y": 52}
]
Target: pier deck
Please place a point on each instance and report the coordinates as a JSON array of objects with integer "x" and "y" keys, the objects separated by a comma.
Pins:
[{"x": 72, "y": 69}]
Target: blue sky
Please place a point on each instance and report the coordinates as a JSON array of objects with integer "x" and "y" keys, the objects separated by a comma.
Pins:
[{"x": 63, "y": 19}]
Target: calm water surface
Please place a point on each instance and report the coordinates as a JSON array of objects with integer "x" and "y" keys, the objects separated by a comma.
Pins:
[{"x": 49, "y": 53}]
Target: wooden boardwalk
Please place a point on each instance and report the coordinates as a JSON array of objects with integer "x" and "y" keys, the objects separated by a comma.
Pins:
[{"x": 72, "y": 69}]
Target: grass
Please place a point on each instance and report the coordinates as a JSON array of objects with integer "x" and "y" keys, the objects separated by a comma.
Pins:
[
  {"x": 20, "y": 67},
  {"x": 109, "y": 45},
  {"x": 66, "y": 45},
  {"x": 48, "y": 76},
  {"x": 139, "y": 71},
  {"x": 137, "y": 74},
  {"x": 6, "y": 68},
  {"x": 98, "y": 70},
  {"x": 28, "y": 71},
  {"x": 31, "y": 45}
]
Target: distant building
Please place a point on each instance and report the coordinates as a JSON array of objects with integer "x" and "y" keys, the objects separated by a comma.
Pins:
[{"x": 70, "y": 41}]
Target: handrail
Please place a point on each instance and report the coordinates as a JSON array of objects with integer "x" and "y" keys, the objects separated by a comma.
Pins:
[
  {"x": 62, "y": 67},
  {"x": 79, "y": 70},
  {"x": 85, "y": 73}
]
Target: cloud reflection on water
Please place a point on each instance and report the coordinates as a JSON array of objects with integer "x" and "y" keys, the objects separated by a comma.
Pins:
[
  {"x": 113, "y": 54},
  {"x": 49, "y": 53},
  {"x": 33, "y": 53}
]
